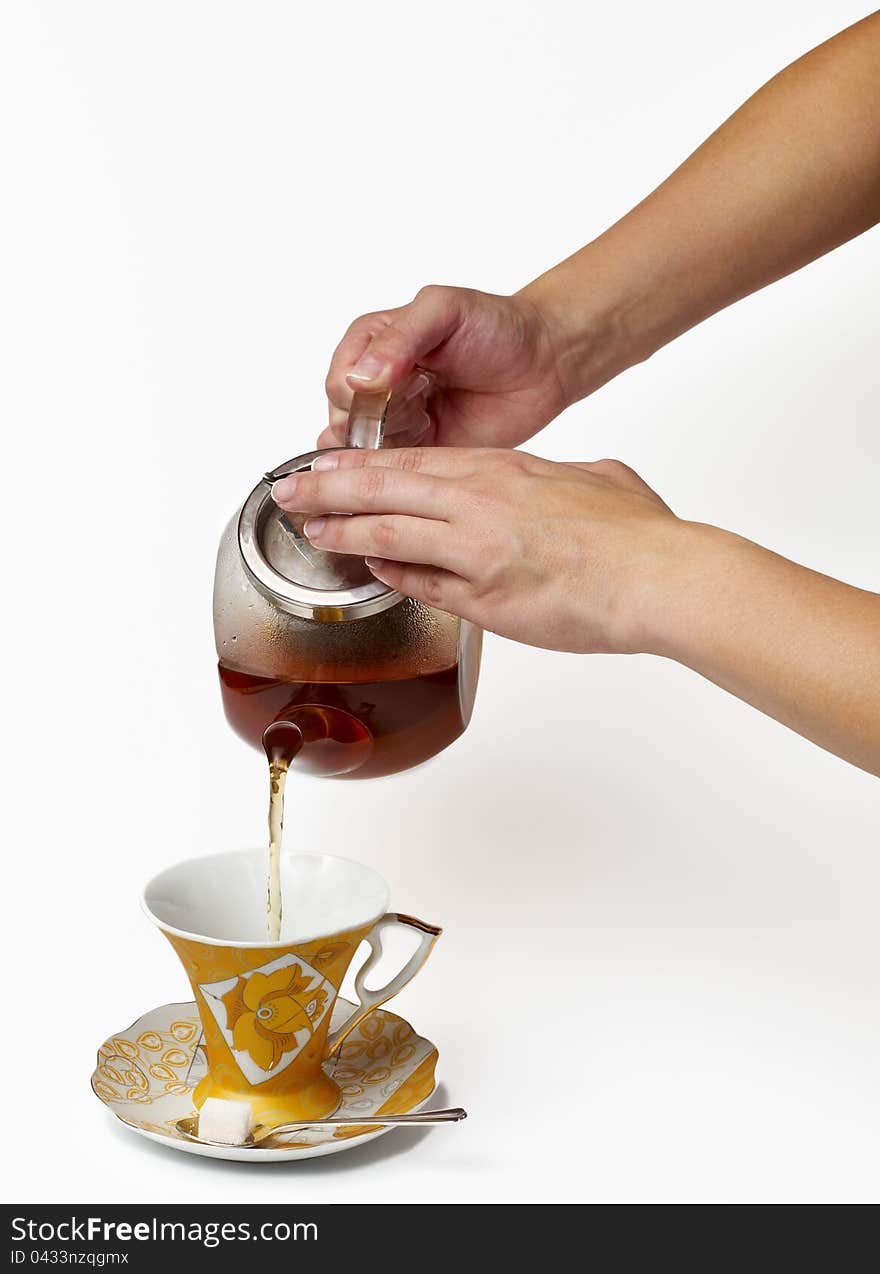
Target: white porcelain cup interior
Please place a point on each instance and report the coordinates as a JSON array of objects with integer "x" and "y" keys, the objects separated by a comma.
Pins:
[{"x": 221, "y": 898}]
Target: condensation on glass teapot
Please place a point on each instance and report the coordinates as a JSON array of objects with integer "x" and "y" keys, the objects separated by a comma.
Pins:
[{"x": 373, "y": 682}]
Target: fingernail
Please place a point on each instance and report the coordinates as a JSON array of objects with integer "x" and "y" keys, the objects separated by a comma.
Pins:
[
  {"x": 329, "y": 461},
  {"x": 314, "y": 528},
  {"x": 284, "y": 490},
  {"x": 368, "y": 369},
  {"x": 374, "y": 564}
]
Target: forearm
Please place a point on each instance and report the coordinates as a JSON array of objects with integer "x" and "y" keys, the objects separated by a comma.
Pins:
[
  {"x": 799, "y": 646},
  {"x": 794, "y": 173}
]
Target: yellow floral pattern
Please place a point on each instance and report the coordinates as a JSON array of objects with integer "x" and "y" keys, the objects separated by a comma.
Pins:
[
  {"x": 383, "y": 1067},
  {"x": 265, "y": 1025},
  {"x": 266, "y": 1011}
]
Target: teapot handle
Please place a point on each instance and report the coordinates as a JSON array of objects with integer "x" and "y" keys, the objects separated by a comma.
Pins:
[
  {"x": 392, "y": 418},
  {"x": 369, "y": 1000}
]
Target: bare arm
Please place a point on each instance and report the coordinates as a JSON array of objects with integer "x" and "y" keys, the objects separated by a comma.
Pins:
[
  {"x": 792, "y": 174},
  {"x": 800, "y": 646}
]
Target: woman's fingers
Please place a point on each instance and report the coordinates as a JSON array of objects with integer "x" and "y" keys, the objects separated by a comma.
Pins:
[
  {"x": 372, "y": 489},
  {"x": 333, "y": 436},
  {"x": 555, "y": 555},
  {"x": 441, "y": 462},
  {"x": 379, "y": 350},
  {"x": 337, "y": 419},
  {"x": 336, "y": 432},
  {"x": 395, "y": 348},
  {"x": 443, "y": 589},
  {"x": 390, "y": 536},
  {"x": 349, "y": 351}
]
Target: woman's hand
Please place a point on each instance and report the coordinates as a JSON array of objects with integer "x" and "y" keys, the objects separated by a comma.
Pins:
[
  {"x": 553, "y": 555},
  {"x": 585, "y": 557},
  {"x": 495, "y": 359},
  {"x": 730, "y": 220}
]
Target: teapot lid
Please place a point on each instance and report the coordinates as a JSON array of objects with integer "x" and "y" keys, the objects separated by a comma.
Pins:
[
  {"x": 278, "y": 557},
  {"x": 291, "y": 572}
]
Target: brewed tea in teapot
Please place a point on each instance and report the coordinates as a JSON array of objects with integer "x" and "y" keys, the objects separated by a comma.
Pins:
[{"x": 321, "y": 665}]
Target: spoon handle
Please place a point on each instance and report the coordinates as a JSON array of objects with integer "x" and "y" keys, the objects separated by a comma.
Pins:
[{"x": 449, "y": 1116}]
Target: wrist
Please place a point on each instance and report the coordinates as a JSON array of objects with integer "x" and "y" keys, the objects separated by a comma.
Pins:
[
  {"x": 618, "y": 300},
  {"x": 589, "y": 344},
  {"x": 679, "y": 587}
]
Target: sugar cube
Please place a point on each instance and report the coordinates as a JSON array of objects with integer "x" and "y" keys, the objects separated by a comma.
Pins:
[{"x": 226, "y": 1121}]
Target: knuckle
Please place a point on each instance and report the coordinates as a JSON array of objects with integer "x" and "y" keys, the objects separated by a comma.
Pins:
[
  {"x": 333, "y": 533},
  {"x": 408, "y": 459},
  {"x": 534, "y": 466},
  {"x": 384, "y": 536},
  {"x": 611, "y": 468},
  {"x": 390, "y": 343},
  {"x": 308, "y": 488},
  {"x": 431, "y": 589},
  {"x": 485, "y": 586},
  {"x": 523, "y": 462},
  {"x": 371, "y": 482},
  {"x": 504, "y": 461},
  {"x": 363, "y": 322},
  {"x": 444, "y": 301}
]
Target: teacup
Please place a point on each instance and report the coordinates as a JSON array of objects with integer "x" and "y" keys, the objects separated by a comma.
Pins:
[{"x": 265, "y": 1006}]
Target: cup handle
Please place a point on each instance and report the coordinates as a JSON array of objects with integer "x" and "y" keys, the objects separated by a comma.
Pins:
[{"x": 369, "y": 1000}]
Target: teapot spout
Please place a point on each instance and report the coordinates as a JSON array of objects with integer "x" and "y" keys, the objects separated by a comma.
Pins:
[
  {"x": 282, "y": 740},
  {"x": 327, "y": 740}
]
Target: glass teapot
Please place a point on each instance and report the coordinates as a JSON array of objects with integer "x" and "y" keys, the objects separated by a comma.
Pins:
[{"x": 316, "y": 654}]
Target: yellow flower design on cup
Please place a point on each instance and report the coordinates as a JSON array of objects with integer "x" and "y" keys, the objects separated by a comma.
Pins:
[{"x": 266, "y": 1012}]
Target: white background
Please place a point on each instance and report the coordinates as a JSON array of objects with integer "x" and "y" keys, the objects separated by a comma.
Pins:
[{"x": 658, "y": 976}]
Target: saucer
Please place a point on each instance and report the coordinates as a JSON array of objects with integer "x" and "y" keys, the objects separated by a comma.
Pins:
[{"x": 145, "y": 1075}]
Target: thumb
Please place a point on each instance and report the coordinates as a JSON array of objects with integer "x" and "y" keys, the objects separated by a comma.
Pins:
[{"x": 416, "y": 329}]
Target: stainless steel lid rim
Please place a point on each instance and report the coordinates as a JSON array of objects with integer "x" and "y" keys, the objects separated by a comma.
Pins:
[{"x": 334, "y": 604}]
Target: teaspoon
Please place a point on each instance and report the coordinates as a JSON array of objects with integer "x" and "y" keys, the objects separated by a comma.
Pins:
[{"x": 188, "y": 1127}]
